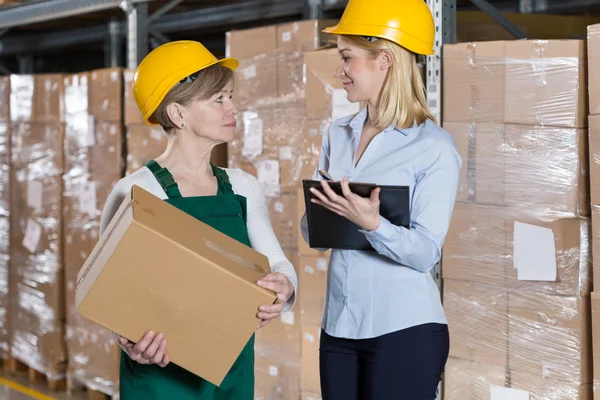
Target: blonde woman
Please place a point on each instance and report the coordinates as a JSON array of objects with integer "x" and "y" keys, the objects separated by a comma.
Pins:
[
  {"x": 385, "y": 334},
  {"x": 183, "y": 88}
]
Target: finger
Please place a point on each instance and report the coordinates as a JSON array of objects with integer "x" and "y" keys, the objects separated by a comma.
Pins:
[
  {"x": 272, "y": 308},
  {"x": 165, "y": 361},
  {"x": 374, "y": 198},
  {"x": 276, "y": 287},
  {"x": 160, "y": 352},
  {"x": 277, "y": 277},
  {"x": 263, "y": 323},
  {"x": 143, "y": 344},
  {"x": 151, "y": 350},
  {"x": 318, "y": 194},
  {"x": 267, "y": 316},
  {"x": 123, "y": 341},
  {"x": 346, "y": 188},
  {"x": 331, "y": 194}
]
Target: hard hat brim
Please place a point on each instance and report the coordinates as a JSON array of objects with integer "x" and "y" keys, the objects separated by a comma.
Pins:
[{"x": 391, "y": 34}]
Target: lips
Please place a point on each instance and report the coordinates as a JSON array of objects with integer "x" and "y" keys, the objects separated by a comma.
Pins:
[
  {"x": 346, "y": 84},
  {"x": 231, "y": 125}
]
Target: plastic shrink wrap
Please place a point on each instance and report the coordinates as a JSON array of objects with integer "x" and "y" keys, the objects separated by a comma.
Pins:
[
  {"x": 287, "y": 96},
  {"x": 36, "y": 246},
  {"x": 517, "y": 259},
  {"x": 5, "y": 299},
  {"x": 93, "y": 165}
]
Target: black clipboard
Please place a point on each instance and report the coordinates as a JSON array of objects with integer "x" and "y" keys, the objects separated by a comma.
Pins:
[{"x": 328, "y": 230}]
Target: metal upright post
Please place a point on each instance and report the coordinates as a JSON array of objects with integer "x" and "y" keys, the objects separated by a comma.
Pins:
[
  {"x": 137, "y": 32},
  {"x": 444, "y": 16},
  {"x": 313, "y": 9},
  {"x": 113, "y": 45}
]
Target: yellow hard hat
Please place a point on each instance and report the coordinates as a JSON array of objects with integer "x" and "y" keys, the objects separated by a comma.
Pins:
[
  {"x": 166, "y": 66},
  {"x": 408, "y": 23}
]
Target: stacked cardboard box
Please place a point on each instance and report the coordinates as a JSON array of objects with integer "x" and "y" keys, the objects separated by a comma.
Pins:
[
  {"x": 36, "y": 245},
  {"x": 145, "y": 142},
  {"x": 594, "y": 124},
  {"x": 287, "y": 96},
  {"x": 93, "y": 157},
  {"x": 516, "y": 262},
  {"x": 4, "y": 215}
]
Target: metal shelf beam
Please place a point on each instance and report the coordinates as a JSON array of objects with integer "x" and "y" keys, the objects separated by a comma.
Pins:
[{"x": 48, "y": 10}]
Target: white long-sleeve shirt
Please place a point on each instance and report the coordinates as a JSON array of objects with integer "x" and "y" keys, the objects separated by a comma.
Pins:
[{"x": 260, "y": 232}]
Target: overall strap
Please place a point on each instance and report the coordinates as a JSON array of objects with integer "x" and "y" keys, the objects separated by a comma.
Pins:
[
  {"x": 222, "y": 178},
  {"x": 164, "y": 177}
]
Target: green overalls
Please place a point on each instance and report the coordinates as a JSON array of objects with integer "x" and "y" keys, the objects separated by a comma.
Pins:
[{"x": 225, "y": 212}]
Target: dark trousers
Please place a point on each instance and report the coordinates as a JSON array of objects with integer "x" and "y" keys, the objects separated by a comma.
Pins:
[{"x": 403, "y": 365}]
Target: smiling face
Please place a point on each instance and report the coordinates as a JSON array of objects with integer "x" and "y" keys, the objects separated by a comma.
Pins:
[
  {"x": 212, "y": 118},
  {"x": 361, "y": 71}
]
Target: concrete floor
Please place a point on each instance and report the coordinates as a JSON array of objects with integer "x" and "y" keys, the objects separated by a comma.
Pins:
[{"x": 18, "y": 388}]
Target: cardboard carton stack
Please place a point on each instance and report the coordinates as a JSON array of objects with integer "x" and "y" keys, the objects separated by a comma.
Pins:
[
  {"x": 4, "y": 215},
  {"x": 93, "y": 157},
  {"x": 145, "y": 142},
  {"x": 516, "y": 262},
  {"x": 36, "y": 243},
  {"x": 594, "y": 124},
  {"x": 287, "y": 96}
]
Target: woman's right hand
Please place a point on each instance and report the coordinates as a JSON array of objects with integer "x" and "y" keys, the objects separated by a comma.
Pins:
[{"x": 152, "y": 349}]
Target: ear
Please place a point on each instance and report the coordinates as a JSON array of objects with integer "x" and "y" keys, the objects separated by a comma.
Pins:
[
  {"x": 176, "y": 113},
  {"x": 385, "y": 59}
]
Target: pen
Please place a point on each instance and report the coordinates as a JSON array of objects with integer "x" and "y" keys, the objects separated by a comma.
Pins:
[{"x": 325, "y": 175}]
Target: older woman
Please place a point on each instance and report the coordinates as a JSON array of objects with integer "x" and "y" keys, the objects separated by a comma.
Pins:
[{"x": 183, "y": 88}]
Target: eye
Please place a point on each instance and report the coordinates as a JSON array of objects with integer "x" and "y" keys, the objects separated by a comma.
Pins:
[
  {"x": 220, "y": 99},
  {"x": 345, "y": 58}
]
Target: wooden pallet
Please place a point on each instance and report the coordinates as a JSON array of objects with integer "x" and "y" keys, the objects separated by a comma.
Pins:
[
  {"x": 14, "y": 367},
  {"x": 76, "y": 387},
  {"x": 8, "y": 2}
]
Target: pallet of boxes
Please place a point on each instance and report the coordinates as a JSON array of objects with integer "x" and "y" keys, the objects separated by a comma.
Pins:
[
  {"x": 516, "y": 262},
  {"x": 5, "y": 299},
  {"x": 93, "y": 155},
  {"x": 594, "y": 124},
  {"x": 287, "y": 96}
]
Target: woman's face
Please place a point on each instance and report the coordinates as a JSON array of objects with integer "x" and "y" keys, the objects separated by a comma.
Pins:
[
  {"x": 362, "y": 75},
  {"x": 214, "y": 118}
]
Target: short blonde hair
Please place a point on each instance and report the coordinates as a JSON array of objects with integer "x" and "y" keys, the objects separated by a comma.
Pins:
[
  {"x": 204, "y": 85},
  {"x": 402, "y": 100}
]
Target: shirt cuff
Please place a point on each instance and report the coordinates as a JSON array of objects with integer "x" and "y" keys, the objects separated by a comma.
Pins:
[{"x": 384, "y": 231}]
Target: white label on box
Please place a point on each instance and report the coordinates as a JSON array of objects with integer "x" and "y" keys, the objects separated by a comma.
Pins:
[
  {"x": 156, "y": 134},
  {"x": 250, "y": 72},
  {"x": 309, "y": 338},
  {"x": 87, "y": 198},
  {"x": 90, "y": 138},
  {"x": 309, "y": 270},
  {"x": 33, "y": 235},
  {"x": 502, "y": 393},
  {"x": 322, "y": 264},
  {"x": 267, "y": 173},
  {"x": 286, "y": 36},
  {"x": 279, "y": 207},
  {"x": 287, "y": 317},
  {"x": 340, "y": 106},
  {"x": 114, "y": 76},
  {"x": 534, "y": 253},
  {"x": 253, "y": 135},
  {"x": 35, "y": 190},
  {"x": 273, "y": 370},
  {"x": 285, "y": 153}
]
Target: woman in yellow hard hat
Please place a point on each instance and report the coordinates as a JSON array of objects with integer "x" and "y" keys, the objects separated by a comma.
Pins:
[
  {"x": 385, "y": 334},
  {"x": 183, "y": 88}
]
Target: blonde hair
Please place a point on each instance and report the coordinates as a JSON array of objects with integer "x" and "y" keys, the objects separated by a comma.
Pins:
[
  {"x": 402, "y": 100},
  {"x": 204, "y": 85}
]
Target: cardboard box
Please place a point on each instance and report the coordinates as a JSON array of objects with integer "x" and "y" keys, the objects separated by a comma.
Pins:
[
  {"x": 132, "y": 112},
  {"x": 312, "y": 275},
  {"x": 595, "y": 239},
  {"x": 303, "y": 247},
  {"x": 216, "y": 266},
  {"x": 595, "y": 299},
  {"x": 550, "y": 336},
  {"x": 37, "y": 98},
  {"x": 594, "y": 67},
  {"x": 4, "y": 98},
  {"x": 478, "y": 321},
  {"x": 283, "y": 212},
  {"x": 276, "y": 377},
  {"x": 281, "y": 337},
  {"x": 546, "y": 83},
  {"x": 310, "y": 396},
  {"x": 4, "y": 236},
  {"x": 594, "y": 158},
  {"x": 541, "y": 387},
  {"x": 466, "y": 379},
  {"x": 474, "y": 81},
  {"x": 325, "y": 96},
  {"x": 36, "y": 248},
  {"x": 106, "y": 94},
  {"x": 309, "y": 370}
]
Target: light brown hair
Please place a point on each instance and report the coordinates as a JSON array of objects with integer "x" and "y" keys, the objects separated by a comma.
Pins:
[
  {"x": 402, "y": 100},
  {"x": 206, "y": 84}
]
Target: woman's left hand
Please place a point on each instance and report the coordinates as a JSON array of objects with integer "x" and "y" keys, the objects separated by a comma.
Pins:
[
  {"x": 364, "y": 212},
  {"x": 283, "y": 288}
]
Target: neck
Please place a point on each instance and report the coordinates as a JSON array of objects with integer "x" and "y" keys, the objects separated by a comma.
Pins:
[
  {"x": 371, "y": 112},
  {"x": 188, "y": 155}
]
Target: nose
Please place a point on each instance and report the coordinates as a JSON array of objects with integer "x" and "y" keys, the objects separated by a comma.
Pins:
[
  {"x": 339, "y": 71},
  {"x": 233, "y": 109}
]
